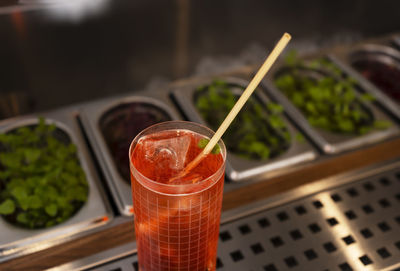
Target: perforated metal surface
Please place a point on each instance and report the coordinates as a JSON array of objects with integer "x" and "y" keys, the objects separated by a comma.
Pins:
[{"x": 352, "y": 227}]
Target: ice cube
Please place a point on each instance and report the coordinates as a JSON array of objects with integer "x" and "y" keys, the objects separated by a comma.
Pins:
[{"x": 170, "y": 152}]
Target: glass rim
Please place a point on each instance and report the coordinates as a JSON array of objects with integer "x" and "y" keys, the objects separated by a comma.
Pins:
[{"x": 138, "y": 136}]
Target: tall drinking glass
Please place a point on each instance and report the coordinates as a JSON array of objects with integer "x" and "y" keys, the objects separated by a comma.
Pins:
[{"x": 176, "y": 223}]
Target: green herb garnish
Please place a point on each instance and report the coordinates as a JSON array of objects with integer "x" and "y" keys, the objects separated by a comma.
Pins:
[
  {"x": 382, "y": 124},
  {"x": 258, "y": 132},
  {"x": 41, "y": 181},
  {"x": 367, "y": 97},
  {"x": 203, "y": 143},
  {"x": 326, "y": 97},
  {"x": 7, "y": 207}
]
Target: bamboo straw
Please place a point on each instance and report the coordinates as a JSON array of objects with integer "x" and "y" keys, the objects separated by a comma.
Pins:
[{"x": 280, "y": 46}]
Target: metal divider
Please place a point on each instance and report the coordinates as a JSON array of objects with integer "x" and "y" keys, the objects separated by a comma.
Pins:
[{"x": 352, "y": 227}]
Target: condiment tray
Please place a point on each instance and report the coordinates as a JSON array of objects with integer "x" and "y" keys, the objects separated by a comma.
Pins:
[
  {"x": 16, "y": 241},
  {"x": 377, "y": 51},
  {"x": 92, "y": 116},
  {"x": 327, "y": 141}
]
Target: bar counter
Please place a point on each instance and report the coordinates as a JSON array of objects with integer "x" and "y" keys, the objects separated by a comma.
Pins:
[{"x": 120, "y": 231}]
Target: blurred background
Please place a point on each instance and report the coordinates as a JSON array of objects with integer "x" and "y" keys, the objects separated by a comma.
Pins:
[
  {"x": 327, "y": 117},
  {"x": 57, "y": 52}
]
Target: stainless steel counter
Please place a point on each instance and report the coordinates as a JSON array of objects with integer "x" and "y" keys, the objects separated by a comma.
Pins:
[{"x": 345, "y": 222}]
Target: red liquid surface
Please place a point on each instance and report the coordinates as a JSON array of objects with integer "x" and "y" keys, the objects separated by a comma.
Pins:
[{"x": 176, "y": 226}]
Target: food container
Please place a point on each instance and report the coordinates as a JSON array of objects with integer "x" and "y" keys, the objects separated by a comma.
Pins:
[
  {"x": 105, "y": 121},
  {"x": 239, "y": 168},
  {"x": 95, "y": 212},
  {"x": 377, "y": 68},
  {"x": 331, "y": 142}
]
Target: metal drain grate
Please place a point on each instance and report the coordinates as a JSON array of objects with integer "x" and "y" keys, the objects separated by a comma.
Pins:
[{"x": 352, "y": 227}]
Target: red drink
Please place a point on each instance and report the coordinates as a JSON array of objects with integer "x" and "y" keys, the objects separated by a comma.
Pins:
[{"x": 177, "y": 223}]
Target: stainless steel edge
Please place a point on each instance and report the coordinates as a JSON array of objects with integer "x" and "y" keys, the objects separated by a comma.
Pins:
[
  {"x": 343, "y": 63},
  {"x": 91, "y": 113},
  {"x": 98, "y": 259},
  {"x": 239, "y": 169},
  {"x": 94, "y": 213},
  {"x": 309, "y": 189},
  {"x": 96, "y": 147}
]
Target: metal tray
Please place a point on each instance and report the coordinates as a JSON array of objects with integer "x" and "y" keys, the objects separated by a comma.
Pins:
[
  {"x": 91, "y": 114},
  {"x": 16, "y": 241},
  {"x": 327, "y": 141},
  {"x": 237, "y": 168},
  {"x": 378, "y": 52}
]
